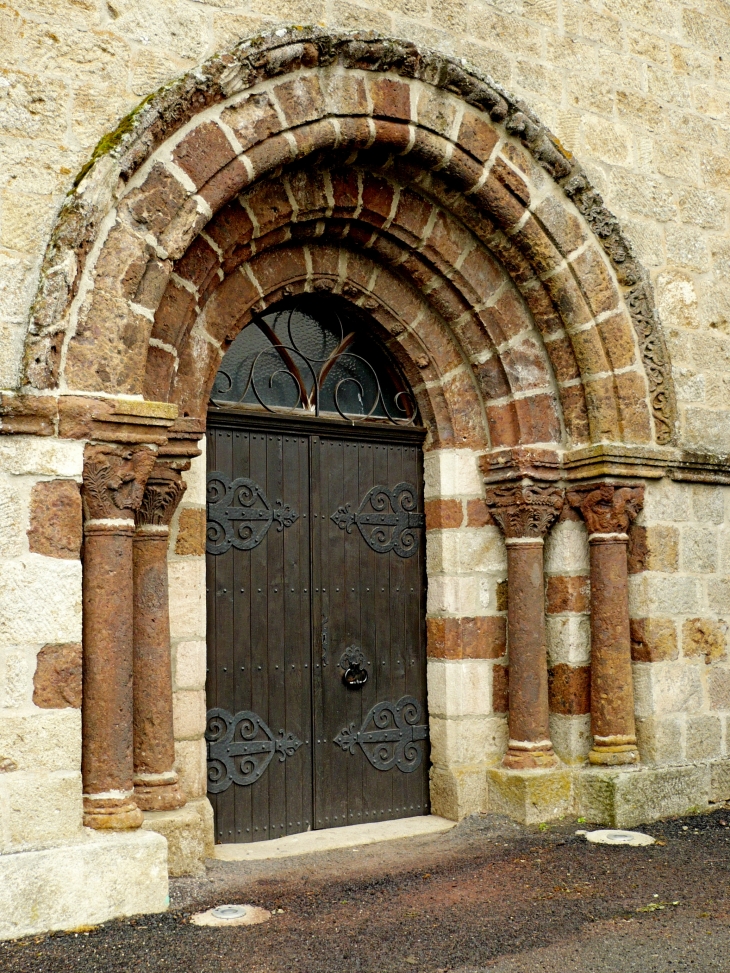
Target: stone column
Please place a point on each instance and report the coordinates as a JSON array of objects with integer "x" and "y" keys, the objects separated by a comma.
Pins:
[
  {"x": 525, "y": 511},
  {"x": 114, "y": 481},
  {"x": 155, "y": 781},
  {"x": 608, "y": 510}
]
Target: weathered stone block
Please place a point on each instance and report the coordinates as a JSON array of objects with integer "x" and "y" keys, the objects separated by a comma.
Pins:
[
  {"x": 566, "y": 549},
  {"x": 190, "y": 538},
  {"x": 189, "y": 834},
  {"x": 189, "y": 665},
  {"x": 568, "y": 639},
  {"x": 704, "y": 737},
  {"x": 189, "y": 714},
  {"x": 48, "y": 740},
  {"x": 571, "y": 736},
  {"x": 187, "y": 598},
  {"x": 706, "y": 638},
  {"x": 458, "y": 791},
  {"x": 465, "y": 550},
  {"x": 191, "y": 766},
  {"x": 569, "y": 689},
  {"x": 453, "y": 596},
  {"x": 660, "y": 740},
  {"x": 627, "y": 798},
  {"x": 459, "y": 688},
  {"x": 57, "y": 679},
  {"x": 35, "y": 456},
  {"x": 451, "y": 473},
  {"x": 38, "y": 810},
  {"x": 469, "y": 740},
  {"x": 12, "y": 518},
  {"x": 653, "y": 640},
  {"x": 84, "y": 883},
  {"x": 720, "y": 781},
  {"x": 655, "y": 594},
  {"x": 40, "y": 601},
  {"x": 667, "y": 688},
  {"x": 530, "y": 796}
]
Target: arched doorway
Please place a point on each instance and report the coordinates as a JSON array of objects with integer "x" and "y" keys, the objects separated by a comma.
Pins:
[{"x": 316, "y": 686}]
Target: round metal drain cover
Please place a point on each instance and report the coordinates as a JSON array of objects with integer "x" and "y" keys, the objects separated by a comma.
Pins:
[
  {"x": 611, "y": 837},
  {"x": 229, "y": 911},
  {"x": 231, "y": 915}
]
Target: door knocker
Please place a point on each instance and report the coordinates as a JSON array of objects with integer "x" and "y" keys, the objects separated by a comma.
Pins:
[{"x": 353, "y": 662}]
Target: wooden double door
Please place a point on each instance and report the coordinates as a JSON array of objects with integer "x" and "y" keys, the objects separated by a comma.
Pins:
[{"x": 316, "y": 686}]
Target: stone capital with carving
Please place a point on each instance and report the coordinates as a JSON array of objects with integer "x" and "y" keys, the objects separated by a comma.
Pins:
[
  {"x": 114, "y": 480},
  {"x": 606, "y": 508},
  {"x": 525, "y": 509},
  {"x": 164, "y": 490}
]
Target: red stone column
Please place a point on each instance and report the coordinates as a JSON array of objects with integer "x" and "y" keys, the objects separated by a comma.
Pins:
[
  {"x": 114, "y": 480},
  {"x": 525, "y": 511},
  {"x": 608, "y": 510},
  {"x": 155, "y": 781}
]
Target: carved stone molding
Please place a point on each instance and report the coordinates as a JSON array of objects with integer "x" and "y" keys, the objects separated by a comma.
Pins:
[
  {"x": 163, "y": 492},
  {"x": 114, "y": 480},
  {"x": 606, "y": 508},
  {"x": 525, "y": 509}
]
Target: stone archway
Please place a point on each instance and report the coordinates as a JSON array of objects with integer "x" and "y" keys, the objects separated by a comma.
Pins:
[{"x": 310, "y": 161}]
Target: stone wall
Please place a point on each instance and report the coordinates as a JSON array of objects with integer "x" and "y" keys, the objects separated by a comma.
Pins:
[
  {"x": 186, "y": 572},
  {"x": 40, "y": 643},
  {"x": 639, "y": 91}
]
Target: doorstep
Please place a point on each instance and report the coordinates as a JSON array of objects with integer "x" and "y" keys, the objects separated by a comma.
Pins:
[{"x": 333, "y": 839}]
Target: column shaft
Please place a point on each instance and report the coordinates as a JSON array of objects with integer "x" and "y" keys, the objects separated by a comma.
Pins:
[
  {"x": 529, "y": 729},
  {"x": 525, "y": 510},
  {"x": 608, "y": 510},
  {"x": 107, "y": 765},
  {"x": 155, "y": 782},
  {"x": 612, "y": 689}
]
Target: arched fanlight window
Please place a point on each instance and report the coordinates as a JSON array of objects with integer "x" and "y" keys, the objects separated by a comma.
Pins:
[{"x": 315, "y": 354}]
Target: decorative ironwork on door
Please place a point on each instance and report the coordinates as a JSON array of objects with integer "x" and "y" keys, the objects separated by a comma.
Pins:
[
  {"x": 240, "y": 514},
  {"x": 389, "y": 735},
  {"x": 241, "y": 747},
  {"x": 402, "y": 516},
  {"x": 300, "y": 358}
]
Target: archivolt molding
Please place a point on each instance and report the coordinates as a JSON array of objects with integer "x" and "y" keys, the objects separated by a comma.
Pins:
[{"x": 142, "y": 204}]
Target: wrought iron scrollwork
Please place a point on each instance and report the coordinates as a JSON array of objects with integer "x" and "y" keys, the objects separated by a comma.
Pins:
[
  {"x": 336, "y": 372},
  {"x": 389, "y": 736},
  {"x": 394, "y": 509},
  {"x": 240, "y": 514},
  {"x": 241, "y": 747}
]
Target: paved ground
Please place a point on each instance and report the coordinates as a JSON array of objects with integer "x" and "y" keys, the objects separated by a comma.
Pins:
[{"x": 486, "y": 896}]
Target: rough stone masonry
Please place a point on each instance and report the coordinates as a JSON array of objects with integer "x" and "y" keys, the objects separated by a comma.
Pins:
[{"x": 532, "y": 203}]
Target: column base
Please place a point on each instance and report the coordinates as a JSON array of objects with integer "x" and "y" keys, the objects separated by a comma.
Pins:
[
  {"x": 531, "y": 796},
  {"x": 630, "y": 796},
  {"x": 84, "y": 882},
  {"x": 529, "y": 756},
  {"x": 111, "y": 814},
  {"x": 189, "y": 833},
  {"x": 613, "y": 751},
  {"x": 158, "y": 792}
]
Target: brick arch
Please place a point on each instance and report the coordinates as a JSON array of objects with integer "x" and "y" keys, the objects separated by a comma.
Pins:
[{"x": 249, "y": 117}]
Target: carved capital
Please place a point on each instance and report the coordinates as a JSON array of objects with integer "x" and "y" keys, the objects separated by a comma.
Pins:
[
  {"x": 607, "y": 509},
  {"x": 114, "y": 480},
  {"x": 164, "y": 490},
  {"x": 525, "y": 509}
]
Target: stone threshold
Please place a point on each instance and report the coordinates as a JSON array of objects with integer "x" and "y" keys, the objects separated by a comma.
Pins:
[{"x": 333, "y": 839}]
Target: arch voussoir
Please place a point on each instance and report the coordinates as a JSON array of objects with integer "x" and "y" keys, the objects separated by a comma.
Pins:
[{"x": 431, "y": 183}]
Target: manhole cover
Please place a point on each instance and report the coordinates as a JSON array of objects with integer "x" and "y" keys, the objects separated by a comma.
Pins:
[
  {"x": 231, "y": 915},
  {"x": 228, "y": 911},
  {"x": 611, "y": 837}
]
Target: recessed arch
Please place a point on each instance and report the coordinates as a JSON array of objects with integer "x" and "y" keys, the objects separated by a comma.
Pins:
[{"x": 386, "y": 155}]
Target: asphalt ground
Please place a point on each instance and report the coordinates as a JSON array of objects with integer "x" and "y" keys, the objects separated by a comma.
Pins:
[{"x": 487, "y": 895}]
